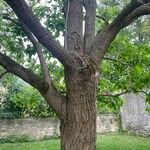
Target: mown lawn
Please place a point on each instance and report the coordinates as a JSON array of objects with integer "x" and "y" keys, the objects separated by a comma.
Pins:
[{"x": 104, "y": 142}]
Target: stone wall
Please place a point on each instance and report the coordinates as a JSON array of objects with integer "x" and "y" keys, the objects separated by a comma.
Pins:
[
  {"x": 37, "y": 128},
  {"x": 134, "y": 119},
  {"x": 107, "y": 123},
  {"x": 134, "y": 116}
]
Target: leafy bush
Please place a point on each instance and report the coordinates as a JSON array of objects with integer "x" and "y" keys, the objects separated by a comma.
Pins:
[{"x": 22, "y": 100}]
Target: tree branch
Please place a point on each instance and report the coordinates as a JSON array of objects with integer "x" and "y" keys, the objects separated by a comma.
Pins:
[
  {"x": 103, "y": 39},
  {"x": 73, "y": 26},
  {"x": 90, "y": 7},
  {"x": 115, "y": 60},
  {"x": 141, "y": 91},
  {"x": 142, "y": 10},
  {"x": 53, "y": 98},
  {"x": 25, "y": 14},
  {"x": 125, "y": 12},
  {"x": 38, "y": 50},
  {"x": 36, "y": 46},
  {"x": 3, "y": 73},
  {"x": 122, "y": 93},
  {"x": 114, "y": 95},
  {"x": 5, "y": 16},
  {"x": 18, "y": 70}
]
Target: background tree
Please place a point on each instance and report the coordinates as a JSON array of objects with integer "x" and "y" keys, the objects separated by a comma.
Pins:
[{"x": 81, "y": 55}]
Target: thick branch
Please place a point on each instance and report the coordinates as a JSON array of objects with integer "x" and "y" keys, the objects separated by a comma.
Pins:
[
  {"x": 126, "y": 11},
  {"x": 134, "y": 7},
  {"x": 101, "y": 43},
  {"x": 25, "y": 14},
  {"x": 73, "y": 26},
  {"x": 48, "y": 92},
  {"x": 3, "y": 73},
  {"x": 90, "y": 7},
  {"x": 102, "y": 40},
  {"x": 142, "y": 10},
  {"x": 25, "y": 74}
]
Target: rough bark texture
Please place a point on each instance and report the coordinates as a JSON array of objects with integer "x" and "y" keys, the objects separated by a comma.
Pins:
[
  {"x": 78, "y": 129},
  {"x": 90, "y": 8},
  {"x": 74, "y": 22},
  {"x": 80, "y": 56}
]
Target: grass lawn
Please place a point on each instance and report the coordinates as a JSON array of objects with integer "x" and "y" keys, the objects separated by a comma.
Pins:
[{"x": 104, "y": 142}]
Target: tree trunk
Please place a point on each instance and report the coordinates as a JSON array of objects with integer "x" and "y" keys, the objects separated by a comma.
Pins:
[{"x": 78, "y": 129}]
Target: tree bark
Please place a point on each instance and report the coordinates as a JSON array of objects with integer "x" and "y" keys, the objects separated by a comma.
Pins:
[
  {"x": 73, "y": 29},
  {"x": 78, "y": 129},
  {"x": 80, "y": 57},
  {"x": 90, "y": 7}
]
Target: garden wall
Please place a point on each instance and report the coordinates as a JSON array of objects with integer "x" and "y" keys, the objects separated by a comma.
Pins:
[{"x": 37, "y": 128}]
